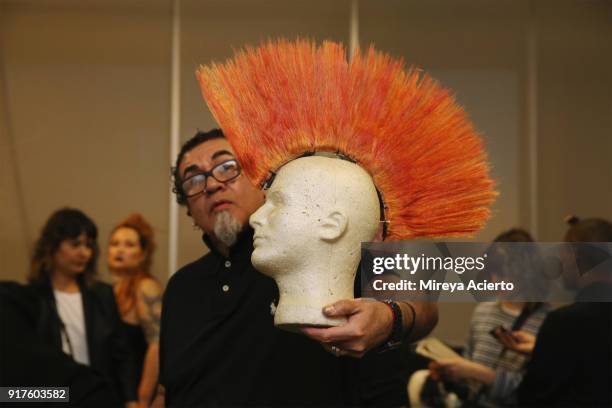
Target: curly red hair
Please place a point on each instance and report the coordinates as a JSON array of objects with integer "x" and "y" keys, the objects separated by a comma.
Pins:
[{"x": 125, "y": 291}]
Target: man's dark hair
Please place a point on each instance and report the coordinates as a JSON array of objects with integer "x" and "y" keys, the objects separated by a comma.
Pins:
[
  {"x": 589, "y": 230},
  {"x": 199, "y": 138}
]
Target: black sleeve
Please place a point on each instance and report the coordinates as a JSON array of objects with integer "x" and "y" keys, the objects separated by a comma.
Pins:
[
  {"x": 551, "y": 364},
  {"x": 27, "y": 361},
  {"x": 123, "y": 361}
]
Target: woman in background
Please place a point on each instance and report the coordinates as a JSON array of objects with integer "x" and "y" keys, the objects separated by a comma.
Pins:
[
  {"x": 494, "y": 371},
  {"x": 77, "y": 313},
  {"x": 138, "y": 294}
]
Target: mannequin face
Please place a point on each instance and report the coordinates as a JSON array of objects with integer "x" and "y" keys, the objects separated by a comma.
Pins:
[
  {"x": 308, "y": 235},
  {"x": 313, "y": 204},
  {"x": 282, "y": 227},
  {"x": 124, "y": 250}
]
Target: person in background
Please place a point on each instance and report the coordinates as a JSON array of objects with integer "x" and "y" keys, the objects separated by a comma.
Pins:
[
  {"x": 76, "y": 312},
  {"x": 570, "y": 363},
  {"x": 138, "y": 293},
  {"x": 27, "y": 361},
  {"x": 494, "y": 371}
]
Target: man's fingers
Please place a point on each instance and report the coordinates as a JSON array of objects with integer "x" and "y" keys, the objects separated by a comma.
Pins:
[
  {"x": 522, "y": 336},
  {"x": 340, "y": 351},
  {"x": 341, "y": 308},
  {"x": 444, "y": 362},
  {"x": 328, "y": 334}
]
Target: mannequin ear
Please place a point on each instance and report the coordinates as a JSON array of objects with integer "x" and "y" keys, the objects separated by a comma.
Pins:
[{"x": 333, "y": 226}]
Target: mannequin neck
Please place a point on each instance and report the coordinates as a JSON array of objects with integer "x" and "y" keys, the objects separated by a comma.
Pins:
[{"x": 304, "y": 293}]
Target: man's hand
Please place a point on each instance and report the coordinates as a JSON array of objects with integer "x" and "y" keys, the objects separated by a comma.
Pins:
[
  {"x": 460, "y": 369},
  {"x": 519, "y": 341},
  {"x": 369, "y": 324}
]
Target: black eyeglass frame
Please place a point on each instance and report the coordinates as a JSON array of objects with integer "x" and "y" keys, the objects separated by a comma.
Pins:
[{"x": 210, "y": 173}]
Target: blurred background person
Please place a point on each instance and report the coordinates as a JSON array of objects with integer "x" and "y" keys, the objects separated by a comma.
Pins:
[
  {"x": 493, "y": 371},
  {"x": 27, "y": 361},
  {"x": 76, "y": 312},
  {"x": 138, "y": 293},
  {"x": 570, "y": 363}
]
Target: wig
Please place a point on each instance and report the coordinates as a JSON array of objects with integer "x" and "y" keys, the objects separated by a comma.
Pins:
[{"x": 285, "y": 99}]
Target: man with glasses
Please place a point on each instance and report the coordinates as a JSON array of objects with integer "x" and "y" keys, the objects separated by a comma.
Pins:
[{"x": 218, "y": 343}]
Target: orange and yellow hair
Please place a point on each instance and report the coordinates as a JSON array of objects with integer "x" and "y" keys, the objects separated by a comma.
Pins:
[{"x": 283, "y": 99}]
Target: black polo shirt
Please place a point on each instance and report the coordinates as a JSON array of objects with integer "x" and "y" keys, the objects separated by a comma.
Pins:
[{"x": 219, "y": 345}]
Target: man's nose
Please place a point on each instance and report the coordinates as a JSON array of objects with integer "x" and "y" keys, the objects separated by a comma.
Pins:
[{"x": 212, "y": 185}]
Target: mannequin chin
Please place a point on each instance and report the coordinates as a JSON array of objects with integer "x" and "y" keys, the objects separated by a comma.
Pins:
[{"x": 308, "y": 235}]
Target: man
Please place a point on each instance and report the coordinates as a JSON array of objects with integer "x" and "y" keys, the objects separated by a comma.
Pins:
[{"x": 218, "y": 344}]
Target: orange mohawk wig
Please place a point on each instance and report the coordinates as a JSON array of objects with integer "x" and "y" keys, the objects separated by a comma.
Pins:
[{"x": 284, "y": 99}]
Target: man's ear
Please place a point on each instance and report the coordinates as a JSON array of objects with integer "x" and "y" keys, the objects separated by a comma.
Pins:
[{"x": 333, "y": 226}]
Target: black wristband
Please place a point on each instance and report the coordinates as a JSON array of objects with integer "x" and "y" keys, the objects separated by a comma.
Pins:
[{"x": 397, "y": 330}]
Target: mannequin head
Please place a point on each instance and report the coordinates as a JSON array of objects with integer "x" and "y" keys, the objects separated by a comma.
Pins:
[{"x": 308, "y": 234}]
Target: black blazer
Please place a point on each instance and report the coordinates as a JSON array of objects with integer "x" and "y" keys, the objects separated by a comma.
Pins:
[
  {"x": 570, "y": 365},
  {"x": 25, "y": 360},
  {"x": 109, "y": 352}
]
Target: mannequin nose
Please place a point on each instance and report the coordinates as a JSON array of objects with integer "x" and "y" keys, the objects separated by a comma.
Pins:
[{"x": 256, "y": 218}]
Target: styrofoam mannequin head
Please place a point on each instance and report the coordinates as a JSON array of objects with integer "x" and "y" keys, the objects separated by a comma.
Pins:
[{"x": 308, "y": 235}]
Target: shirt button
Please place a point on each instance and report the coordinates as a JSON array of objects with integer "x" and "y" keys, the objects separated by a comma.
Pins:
[
  {"x": 228, "y": 264},
  {"x": 225, "y": 288}
]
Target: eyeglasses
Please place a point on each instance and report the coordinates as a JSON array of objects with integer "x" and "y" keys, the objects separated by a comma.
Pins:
[{"x": 223, "y": 172}]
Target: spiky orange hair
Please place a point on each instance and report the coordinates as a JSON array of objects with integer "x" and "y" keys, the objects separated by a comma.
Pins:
[{"x": 283, "y": 99}]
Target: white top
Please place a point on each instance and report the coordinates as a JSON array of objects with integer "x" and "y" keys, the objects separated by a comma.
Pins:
[{"x": 70, "y": 310}]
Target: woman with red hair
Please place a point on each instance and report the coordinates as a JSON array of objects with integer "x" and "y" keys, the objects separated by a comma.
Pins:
[{"x": 138, "y": 294}]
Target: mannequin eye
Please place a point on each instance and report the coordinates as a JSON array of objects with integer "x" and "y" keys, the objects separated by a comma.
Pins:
[{"x": 275, "y": 198}]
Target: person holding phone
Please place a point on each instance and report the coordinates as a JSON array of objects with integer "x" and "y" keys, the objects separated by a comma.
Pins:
[{"x": 492, "y": 370}]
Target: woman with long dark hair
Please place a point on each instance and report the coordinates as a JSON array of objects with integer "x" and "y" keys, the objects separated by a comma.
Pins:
[
  {"x": 138, "y": 293},
  {"x": 77, "y": 313}
]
